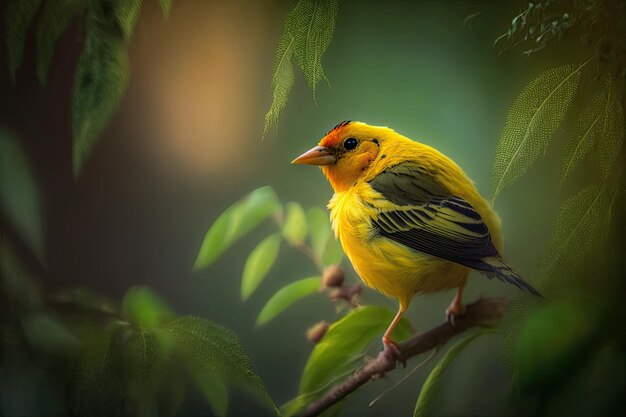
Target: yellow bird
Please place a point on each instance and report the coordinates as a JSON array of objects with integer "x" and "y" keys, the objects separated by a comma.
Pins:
[{"x": 408, "y": 218}]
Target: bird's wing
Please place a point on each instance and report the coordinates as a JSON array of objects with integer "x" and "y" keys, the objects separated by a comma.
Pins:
[{"x": 426, "y": 217}]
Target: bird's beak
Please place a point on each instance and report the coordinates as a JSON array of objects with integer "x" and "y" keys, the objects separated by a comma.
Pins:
[{"x": 316, "y": 156}]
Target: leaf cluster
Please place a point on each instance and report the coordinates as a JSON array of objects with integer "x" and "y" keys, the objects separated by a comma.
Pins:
[
  {"x": 135, "y": 359},
  {"x": 307, "y": 33},
  {"x": 103, "y": 68},
  {"x": 308, "y": 232}
]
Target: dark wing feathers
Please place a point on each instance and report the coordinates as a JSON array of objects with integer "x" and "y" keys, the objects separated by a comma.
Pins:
[{"x": 431, "y": 220}]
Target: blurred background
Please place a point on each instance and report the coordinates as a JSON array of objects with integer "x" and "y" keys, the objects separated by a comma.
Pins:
[{"x": 186, "y": 143}]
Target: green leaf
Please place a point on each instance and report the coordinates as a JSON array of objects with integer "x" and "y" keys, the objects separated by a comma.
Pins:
[
  {"x": 533, "y": 119},
  {"x": 323, "y": 240},
  {"x": 20, "y": 200},
  {"x": 144, "y": 308},
  {"x": 238, "y": 220},
  {"x": 46, "y": 333},
  {"x": 258, "y": 264},
  {"x": 320, "y": 230},
  {"x": 54, "y": 19},
  {"x": 286, "y": 296},
  {"x": 312, "y": 23},
  {"x": 101, "y": 79},
  {"x": 282, "y": 79},
  {"x": 344, "y": 340},
  {"x": 211, "y": 348},
  {"x": 432, "y": 382},
  {"x": 612, "y": 139},
  {"x": 97, "y": 388},
  {"x": 213, "y": 389},
  {"x": 143, "y": 363},
  {"x": 166, "y": 6},
  {"x": 576, "y": 231},
  {"x": 333, "y": 254},
  {"x": 127, "y": 13},
  {"x": 19, "y": 15},
  {"x": 555, "y": 341},
  {"x": 295, "y": 227},
  {"x": 307, "y": 33}
]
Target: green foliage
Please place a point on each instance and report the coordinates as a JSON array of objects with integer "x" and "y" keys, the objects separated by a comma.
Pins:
[
  {"x": 103, "y": 69},
  {"x": 344, "y": 340},
  {"x": 98, "y": 389},
  {"x": 144, "y": 308},
  {"x": 295, "y": 227},
  {"x": 591, "y": 126},
  {"x": 258, "y": 264},
  {"x": 576, "y": 231},
  {"x": 19, "y": 15},
  {"x": 612, "y": 138},
  {"x": 55, "y": 17},
  {"x": 286, "y": 296},
  {"x": 20, "y": 204},
  {"x": 238, "y": 220},
  {"x": 432, "y": 382},
  {"x": 533, "y": 119},
  {"x": 307, "y": 33},
  {"x": 323, "y": 243},
  {"x": 555, "y": 341},
  {"x": 101, "y": 76},
  {"x": 209, "y": 347}
]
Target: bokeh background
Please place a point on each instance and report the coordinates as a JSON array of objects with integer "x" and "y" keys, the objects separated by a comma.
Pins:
[{"x": 186, "y": 143}]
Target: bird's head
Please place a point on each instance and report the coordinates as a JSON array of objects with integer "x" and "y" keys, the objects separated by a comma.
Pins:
[{"x": 346, "y": 152}]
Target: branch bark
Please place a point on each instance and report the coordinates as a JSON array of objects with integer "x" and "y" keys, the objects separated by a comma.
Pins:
[{"x": 480, "y": 313}]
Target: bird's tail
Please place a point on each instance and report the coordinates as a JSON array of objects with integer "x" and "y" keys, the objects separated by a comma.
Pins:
[{"x": 497, "y": 267}]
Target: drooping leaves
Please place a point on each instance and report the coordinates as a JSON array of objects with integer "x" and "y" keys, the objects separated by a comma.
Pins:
[
  {"x": 286, "y": 296},
  {"x": 295, "y": 227},
  {"x": 20, "y": 200},
  {"x": 54, "y": 19},
  {"x": 19, "y": 15},
  {"x": 610, "y": 143},
  {"x": 101, "y": 76},
  {"x": 312, "y": 24},
  {"x": 432, "y": 382},
  {"x": 576, "y": 231},
  {"x": 127, "y": 13},
  {"x": 282, "y": 80},
  {"x": 307, "y": 33},
  {"x": 211, "y": 348},
  {"x": 600, "y": 124},
  {"x": 344, "y": 340},
  {"x": 236, "y": 221},
  {"x": 531, "y": 122},
  {"x": 258, "y": 264}
]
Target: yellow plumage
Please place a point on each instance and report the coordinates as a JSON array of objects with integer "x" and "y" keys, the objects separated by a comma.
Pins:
[{"x": 407, "y": 216}]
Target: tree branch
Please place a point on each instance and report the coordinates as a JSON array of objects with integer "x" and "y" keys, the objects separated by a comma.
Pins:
[{"x": 480, "y": 313}]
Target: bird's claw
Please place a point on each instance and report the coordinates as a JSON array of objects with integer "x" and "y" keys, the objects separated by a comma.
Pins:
[
  {"x": 453, "y": 311},
  {"x": 391, "y": 348}
]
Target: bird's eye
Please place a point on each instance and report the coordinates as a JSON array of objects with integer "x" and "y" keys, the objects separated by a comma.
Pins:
[{"x": 350, "y": 144}]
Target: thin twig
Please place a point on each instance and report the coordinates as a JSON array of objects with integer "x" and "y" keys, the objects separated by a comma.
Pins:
[{"x": 480, "y": 313}]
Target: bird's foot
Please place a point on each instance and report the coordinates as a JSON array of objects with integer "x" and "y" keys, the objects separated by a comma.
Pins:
[
  {"x": 393, "y": 349},
  {"x": 454, "y": 310}
]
